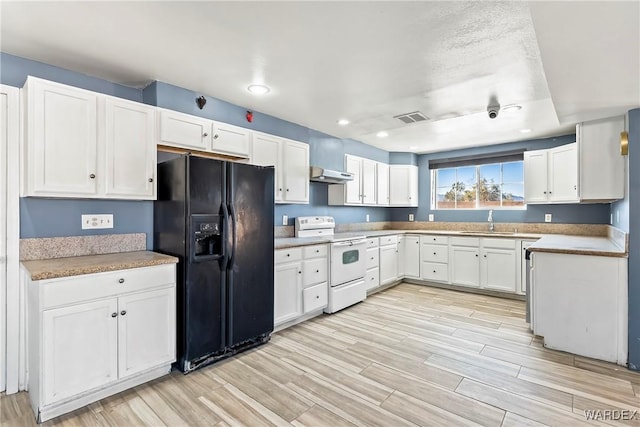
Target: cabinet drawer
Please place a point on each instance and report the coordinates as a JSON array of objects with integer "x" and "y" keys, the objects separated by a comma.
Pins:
[
  {"x": 435, "y": 253},
  {"x": 314, "y": 271},
  {"x": 373, "y": 242},
  {"x": 314, "y": 251},
  {"x": 434, "y": 240},
  {"x": 388, "y": 240},
  {"x": 465, "y": 241},
  {"x": 435, "y": 271},
  {"x": 499, "y": 243},
  {"x": 70, "y": 290},
  {"x": 372, "y": 278},
  {"x": 373, "y": 258},
  {"x": 315, "y": 297},
  {"x": 288, "y": 255}
]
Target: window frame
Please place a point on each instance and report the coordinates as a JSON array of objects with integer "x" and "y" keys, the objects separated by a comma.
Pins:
[{"x": 434, "y": 189}]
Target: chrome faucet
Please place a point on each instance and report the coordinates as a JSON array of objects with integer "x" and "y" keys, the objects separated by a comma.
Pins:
[{"x": 490, "y": 219}]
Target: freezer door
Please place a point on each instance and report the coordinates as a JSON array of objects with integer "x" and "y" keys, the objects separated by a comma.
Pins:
[
  {"x": 250, "y": 271},
  {"x": 204, "y": 291}
]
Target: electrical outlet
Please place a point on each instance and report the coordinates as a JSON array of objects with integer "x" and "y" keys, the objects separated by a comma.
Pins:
[
  {"x": 95, "y": 221},
  {"x": 611, "y": 219},
  {"x": 411, "y": 217},
  {"x": 547, "y": 217},
  {"x": 618, "y": 216},
  {"x": 367, "y": 218},
  {"x": 285, "y": 220},
  {"x": 431, "y": 217}
]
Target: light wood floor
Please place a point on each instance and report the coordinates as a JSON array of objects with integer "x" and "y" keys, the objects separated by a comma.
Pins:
[{"x": 408, "y": 355}]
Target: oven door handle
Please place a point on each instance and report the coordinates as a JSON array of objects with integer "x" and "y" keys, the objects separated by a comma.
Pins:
[{"x": 350, "y": 243}]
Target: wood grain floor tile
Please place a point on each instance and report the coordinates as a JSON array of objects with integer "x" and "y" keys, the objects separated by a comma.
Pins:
[{"x": 409, "y": 355}]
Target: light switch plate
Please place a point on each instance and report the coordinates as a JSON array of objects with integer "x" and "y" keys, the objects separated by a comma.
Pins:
[
  {"x": 367, "y": 218},
  {"x": 547, "y": 217},
  {"x": 411, "y": 217},
  {"x": 285, "y": 220},
  {"x": 431, "y": 217},
  {"x": 96, "y": 221}
]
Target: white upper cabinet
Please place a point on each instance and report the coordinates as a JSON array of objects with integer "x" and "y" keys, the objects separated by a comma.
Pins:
[
  {"x": 295, "y": 172},
  {"x": 403, "y": 185},
  {"x": 363, "y": 189},
  {"x": 551, "y": 176},
  {"x": 589, "y": 170},
  {"x": 229, "y": 139},
  {"x": 291, "y": 161},
  {"x": 602, "y": 168},
  {"x": 382, "y": 182},
  {"x": 353, "y": 189},
  {"x": 130, "y": 150},
  {"x": 184, "y": 130},
  {"x": 61, "y": 141},
  {"x": 82, "y": 144}
]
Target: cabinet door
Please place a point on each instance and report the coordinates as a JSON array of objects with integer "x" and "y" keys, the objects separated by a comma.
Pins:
[
  {"x": 563, "y": 173},
  {"x": 296, "y": 172},
  {"x": 79, "y": 348},
  {"x": 388, "y": 264},
  {"x": 183, "y": 130},
  {"x": 265, "y": 151},
  {"x": 288, "y": 292},
  {"x": 498, "y": 270},
  {"x": 62, "y": 140},
  {"x": 465, "y": 266},
  {"x": 130, "y": 150},
  {"x": 399, "y": 188},
  {"x": 382, "y": 182},
  {"x": 411, "y": 256},
  {"x": 369, "y": 178},
  {"x": 229, "y": 139},
  {"x": 522, "y": 288},
  {"x": 146, "y": 331},
  {"x": 413, "y": 185},
  {"x": 353, "y": 192},
  {"x": 535, "y": 176},
  {"x": 401, "y": 255}
]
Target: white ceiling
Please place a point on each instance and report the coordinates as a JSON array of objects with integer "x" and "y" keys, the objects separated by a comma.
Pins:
[{"x": 563, "y": 62}]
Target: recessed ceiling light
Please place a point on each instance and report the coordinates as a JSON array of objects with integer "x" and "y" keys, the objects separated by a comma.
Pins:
[
  {"x": 343, "y": 122},
  {"x": 382, "y": 134},
  {"x": 512, "y": 107},
  {"x": 413, "y": 147},
  {"x": 258, "y": 89},
  {"x": 525, "y": 130}
]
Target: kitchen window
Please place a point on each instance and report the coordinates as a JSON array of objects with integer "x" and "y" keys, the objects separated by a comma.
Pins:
[{"x": 497, "y": 185}]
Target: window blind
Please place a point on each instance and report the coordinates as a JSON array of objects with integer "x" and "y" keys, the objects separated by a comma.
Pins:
[{"x": 477, "y": 159}]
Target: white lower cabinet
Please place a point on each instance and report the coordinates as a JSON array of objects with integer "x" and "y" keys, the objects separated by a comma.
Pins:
[
  {"x": 410, "y": 258},
  {"x": 486, "y": 263},
  {"x": 465, "y": 266},
  {"x": 301, "y": 282},
  {"x": 372, "y": 276},
  {"x": 388, "y": 259},
  {"x": 95, "y": 335}
]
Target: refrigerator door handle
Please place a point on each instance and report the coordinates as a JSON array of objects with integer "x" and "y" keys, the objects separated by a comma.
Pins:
[
  {"x": 232, "y": 214},
  {"x": 224, "y": 249}
]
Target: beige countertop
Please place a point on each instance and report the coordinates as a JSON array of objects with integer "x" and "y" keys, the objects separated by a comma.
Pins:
[
  {"x": 77, "y": 265},
  {"x": 290, "y": 242},
  {"x": 580, "y": 245}
]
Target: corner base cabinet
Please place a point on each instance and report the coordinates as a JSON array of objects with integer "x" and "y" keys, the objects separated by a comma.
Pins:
[{"x": 94, "y": 335}]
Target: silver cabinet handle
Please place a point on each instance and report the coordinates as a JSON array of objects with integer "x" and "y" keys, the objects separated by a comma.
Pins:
[
  {"x": 123, "y": 312},
  {"x": 92, "y": 176},
  {"x": 120, "y": 280},
  {"x": 114, "y": 314}
]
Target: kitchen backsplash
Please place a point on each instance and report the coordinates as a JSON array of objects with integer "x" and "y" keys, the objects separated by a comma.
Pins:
[{"x": 62, "y": 247}]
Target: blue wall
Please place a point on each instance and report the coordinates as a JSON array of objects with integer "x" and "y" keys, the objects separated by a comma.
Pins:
[
  {"x": 583, "y": 214},
  {"x": 634, "y": 243}
]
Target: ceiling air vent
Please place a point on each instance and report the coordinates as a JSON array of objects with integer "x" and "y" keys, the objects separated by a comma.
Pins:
[{"x": 416, "y": 116}]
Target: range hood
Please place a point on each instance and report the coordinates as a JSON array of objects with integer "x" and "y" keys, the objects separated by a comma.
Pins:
[{"x": 329, "y": 176}]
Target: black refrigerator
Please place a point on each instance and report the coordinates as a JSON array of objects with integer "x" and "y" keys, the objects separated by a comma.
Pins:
[{"x": 217, "y": 217}]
